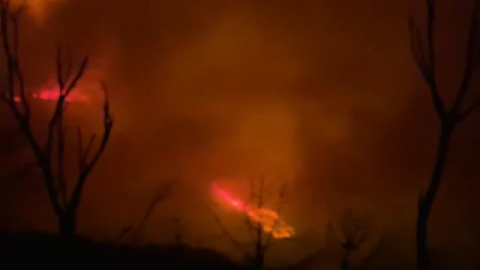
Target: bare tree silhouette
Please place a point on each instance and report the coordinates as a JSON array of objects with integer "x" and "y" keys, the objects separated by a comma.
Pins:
[
  {"x": 259, "y": 241},
  {"x": 50, "y": 154},
  {"x": 351, "y": 236},
  {"x": 163, "y": 192},
  {"x": 423, "y": 50},
  {"x": 355, "y": 232}
]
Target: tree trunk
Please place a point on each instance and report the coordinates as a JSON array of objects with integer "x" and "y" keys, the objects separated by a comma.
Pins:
[
  {"x": 67, "y": 224},
  {"x": 259, "y": 261},
  {"x": 259, "y": 250},
  {"x": 427, "y": 200},
  {"x": 345, "y": 262}
]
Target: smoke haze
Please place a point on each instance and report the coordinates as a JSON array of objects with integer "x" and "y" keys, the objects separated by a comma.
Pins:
[{"x": 321, "y": 95}]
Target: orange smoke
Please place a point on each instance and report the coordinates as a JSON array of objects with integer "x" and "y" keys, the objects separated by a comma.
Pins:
[
  {"x": 270, "y": 220},
  {"x": 38, "y": 9}
]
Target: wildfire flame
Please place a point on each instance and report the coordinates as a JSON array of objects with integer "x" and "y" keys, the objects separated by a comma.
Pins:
[
  {"x": 269, "y": 219},
  {"x": 54, "y": 94}
]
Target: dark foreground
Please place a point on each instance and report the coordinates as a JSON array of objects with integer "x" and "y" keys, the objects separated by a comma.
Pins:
[{"x": 40, "y": 251}]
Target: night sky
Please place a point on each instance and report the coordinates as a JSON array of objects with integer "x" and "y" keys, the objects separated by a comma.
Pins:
[{"x": 320, "y": 95}]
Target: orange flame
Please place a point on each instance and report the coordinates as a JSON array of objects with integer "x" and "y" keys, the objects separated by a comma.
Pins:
[{"x": 270, "y": 220}]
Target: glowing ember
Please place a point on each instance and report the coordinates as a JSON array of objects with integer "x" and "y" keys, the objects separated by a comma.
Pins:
[{"x": 270, "y": 221}]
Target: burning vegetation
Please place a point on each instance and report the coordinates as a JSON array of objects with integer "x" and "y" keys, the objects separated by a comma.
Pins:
[
  {"x": 269, "y": 219},
  {"x": 183, "y": 136},
  {"x": 54, "y": 95}
]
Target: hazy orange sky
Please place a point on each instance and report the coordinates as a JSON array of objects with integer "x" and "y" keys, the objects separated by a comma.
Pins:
[{"x": 322, "y": 95}]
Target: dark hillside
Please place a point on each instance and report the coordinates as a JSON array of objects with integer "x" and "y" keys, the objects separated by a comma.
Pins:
[{"x": 24, "y": 251}]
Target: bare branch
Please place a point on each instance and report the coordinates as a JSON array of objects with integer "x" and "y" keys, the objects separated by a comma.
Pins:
[
  {"x": 16, "y": 43},
  {"x": 108, "y": 124},
  {"x": 61, "y": 99},
  {"x": 69, "y": 63},
  {"x": 88, "y": 165},
  {"x": 80, "y": 150},
  {"x": 475, "y": 104},
  {"x": 18, "y": 71},
  {"x": 250, "y": 227},
  {"x": 431, "y": 80},
  {"x": 230, "y": 236},
  {"x": 417, "y": 49},
  {"x": 431, "y": 14},
  {"x": 162, "y": 193},
  {"x": 425, "y": 57},
  {"x": 78, "y": 76},
  {"x": 4, "y": 27},
  {"x": 124, "y": 232},
  {"x": 470, "y": 63},
  {"x": 62, "y": 189},
  {"x": 21, "y": 82},
  {"x": 86, "y": 152},
  {"x": 60, "y": 79},
  {"x": 13, "y": 71}
]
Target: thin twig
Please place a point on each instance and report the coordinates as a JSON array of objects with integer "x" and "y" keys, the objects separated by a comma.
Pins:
[
  {"x": 232, "y": 239},
  {"x": 470, "y": 62},
  {"x": 475, "y": 104},
  {"x": 426, "y": 60},
  {"x": 88, "y": 165}
]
